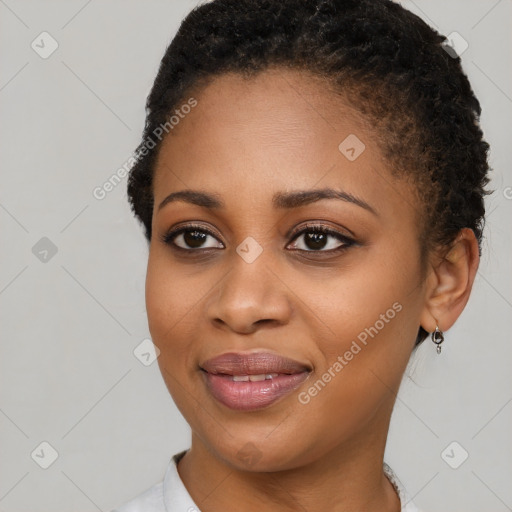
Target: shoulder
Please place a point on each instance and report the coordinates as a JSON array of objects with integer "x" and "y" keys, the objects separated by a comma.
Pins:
[
  {"x": 151, "y": 500},
  {"x": 170, "y": 494},
  {"x": 407, "y": 504}
]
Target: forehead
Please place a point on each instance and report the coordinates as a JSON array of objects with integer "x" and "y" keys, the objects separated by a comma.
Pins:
[{"x": 248, "y": 138}]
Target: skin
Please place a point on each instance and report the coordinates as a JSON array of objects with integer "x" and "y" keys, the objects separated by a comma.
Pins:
[{"x": 246, "y": 140}]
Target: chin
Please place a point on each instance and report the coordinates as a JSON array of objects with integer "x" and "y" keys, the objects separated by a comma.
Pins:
[{"x": 253, "y": 455}]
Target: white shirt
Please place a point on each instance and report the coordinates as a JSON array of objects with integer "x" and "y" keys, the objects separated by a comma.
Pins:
[{"x": 171, "y": 495}]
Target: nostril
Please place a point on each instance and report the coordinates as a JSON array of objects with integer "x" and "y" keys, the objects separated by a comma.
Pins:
[{"x": 264, "y": 320}]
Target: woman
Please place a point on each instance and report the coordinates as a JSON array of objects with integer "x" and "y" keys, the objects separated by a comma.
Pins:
[{"x": 311, "y": 183}]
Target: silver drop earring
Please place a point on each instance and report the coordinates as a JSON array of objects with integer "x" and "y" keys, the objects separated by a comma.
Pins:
[{"x": 437, "y": 338}]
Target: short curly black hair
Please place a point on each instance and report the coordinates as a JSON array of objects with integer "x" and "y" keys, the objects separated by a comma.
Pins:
[{"x": 397, "y": 71}]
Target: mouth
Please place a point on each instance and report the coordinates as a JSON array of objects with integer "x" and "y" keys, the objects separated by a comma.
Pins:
[{"x": 252, "y": 381}]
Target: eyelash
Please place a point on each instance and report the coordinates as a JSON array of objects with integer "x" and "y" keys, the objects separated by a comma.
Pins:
[{"x": 168, "y": 238}]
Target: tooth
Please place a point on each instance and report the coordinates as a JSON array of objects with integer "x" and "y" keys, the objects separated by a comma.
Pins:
[
  {"x": 271, "y": 375},
  {"x": 256, "y": 378},
  {"x": 240, "y": 378}
]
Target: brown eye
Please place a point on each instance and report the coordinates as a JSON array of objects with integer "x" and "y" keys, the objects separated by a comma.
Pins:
[
  {"x": 321, "y": 239},
  {"x": 194, "y": 238},
  {"x": 191, "y": 237},
  {"x": 316, "y": 238}
]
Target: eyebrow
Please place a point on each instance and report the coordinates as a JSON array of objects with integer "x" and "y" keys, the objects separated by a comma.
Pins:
[{"x": 280, "y": 200}]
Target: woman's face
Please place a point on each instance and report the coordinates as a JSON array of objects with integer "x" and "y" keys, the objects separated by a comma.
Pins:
[{"x": 253, "y": 277}]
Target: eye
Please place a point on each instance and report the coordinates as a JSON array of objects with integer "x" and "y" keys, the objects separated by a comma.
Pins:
[
  {"x": 192, "y": 237},
  {"x": 315, "y": 238}
]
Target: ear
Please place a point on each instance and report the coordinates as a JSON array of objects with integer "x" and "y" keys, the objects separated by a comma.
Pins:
[{"x": 449, "y": 282}]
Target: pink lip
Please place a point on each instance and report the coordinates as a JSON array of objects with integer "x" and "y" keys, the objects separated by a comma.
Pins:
[{"x": 245, "y": 396}]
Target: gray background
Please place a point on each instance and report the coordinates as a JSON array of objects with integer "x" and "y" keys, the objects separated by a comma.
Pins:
[{"x": 70, "y": 324}]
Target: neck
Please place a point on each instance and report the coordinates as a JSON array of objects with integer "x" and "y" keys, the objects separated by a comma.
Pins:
[{"x": 348, "y": 477}]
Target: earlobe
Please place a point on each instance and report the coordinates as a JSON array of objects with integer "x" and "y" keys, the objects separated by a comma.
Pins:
[{"x": 450, "y": 281}]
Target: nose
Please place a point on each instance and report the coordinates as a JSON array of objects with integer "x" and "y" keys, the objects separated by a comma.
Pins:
[{"x": 251, "y": 296}]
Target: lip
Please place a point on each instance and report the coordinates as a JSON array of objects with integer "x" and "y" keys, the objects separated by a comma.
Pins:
[{"x": 283, "y": 375}]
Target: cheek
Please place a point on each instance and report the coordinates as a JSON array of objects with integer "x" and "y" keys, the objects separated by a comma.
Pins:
[
  {"x": 174, "y": 297},
  {"x": 169, "y": 311},
  {"x": 360, "y": 368},
  {"x": 169, "y": 302},
  {"x": 159, "y": 298},
  {"x": 368, "y": 314},
  {"x": 170, "y": 292}
]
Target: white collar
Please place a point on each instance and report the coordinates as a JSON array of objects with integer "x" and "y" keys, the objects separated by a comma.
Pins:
[
  {"x": 406, "y": 502},
  {"x": 176, "y": 496}
]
